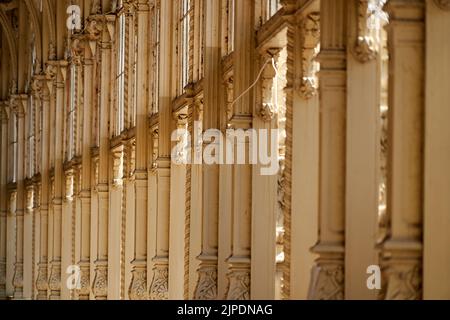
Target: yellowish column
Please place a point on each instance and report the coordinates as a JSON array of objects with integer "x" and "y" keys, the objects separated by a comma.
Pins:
[
  {"x": 327, "y": 281},
  {"x": 402, "y": 251},
  {"x": 436, "y": 279}
]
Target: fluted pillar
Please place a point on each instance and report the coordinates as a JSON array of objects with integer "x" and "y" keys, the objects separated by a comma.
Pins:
[
  {"x": 327, "y": 282},
  {"x": 402, "y": 251},
  {"x": 239, "y": 261},
  {"x": 206, "y": 288}
]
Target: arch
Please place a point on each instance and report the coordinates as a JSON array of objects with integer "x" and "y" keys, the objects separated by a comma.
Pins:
[
  {"x": 9, "y": 34},
  {"x": 48, "y": 9},
  {"x": 36, "y": 21}
]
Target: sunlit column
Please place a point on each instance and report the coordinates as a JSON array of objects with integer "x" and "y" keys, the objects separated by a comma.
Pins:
[{"x": 328, "y": 272}]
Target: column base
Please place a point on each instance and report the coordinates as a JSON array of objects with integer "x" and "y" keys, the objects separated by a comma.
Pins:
[
  {"x": 85, "y": 288},
  {"x": 206, "y": 288},
  {"x": 238, "y": 279},
  {"x": 159, "y": 289},
  {"x": 42, "y": 282},
  {"x": 327, "y": 275},
  {"x": 100, "y": 284},
  {"x": 138, "y": 286},
  {"x": 402, "y": 271},
  {"x": 54, "y": 281},
  {"x": 18, "y": 281}
]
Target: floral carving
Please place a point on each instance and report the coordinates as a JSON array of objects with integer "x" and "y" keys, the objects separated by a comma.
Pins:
[
  {"x": 41, "y": 281},
  {"x": 160, "y": 283},
  {"x": 207, "y": 284},
  {"x": 239, "y": 285},
  {"x": 329, "y": 282},
  {"x": 404, "y": 282},
  {"x": 54, "y": 282},
  {"x": 138, "y": 287},
  {"x": 18, "y": 277},
  {"x": 84, "y": 290},
  {"x": 100, "y": 285}
]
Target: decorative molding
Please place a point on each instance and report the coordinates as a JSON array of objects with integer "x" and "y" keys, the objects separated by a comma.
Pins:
[
  {"x": 159, "y": 289},
  {"x": 310, "y": 30}
]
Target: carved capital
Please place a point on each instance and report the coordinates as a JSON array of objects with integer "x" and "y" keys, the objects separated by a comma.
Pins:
[
  {"x": 159, "y": 289},
  {"x": 443, "y": 4},
  {"x": 69, "y": 184},
  {"x": 310, "y": 26},
  {"x": 12, "y": 202},
  {"x": 117, "y": 167},
  {"x": 370, "y": 15}
]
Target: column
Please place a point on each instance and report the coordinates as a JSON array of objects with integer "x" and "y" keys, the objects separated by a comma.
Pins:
[
  {"x": 207, "y": 272},
  {"x": 160, "y": 282},
  {"x": 305, "y": 149},
  {"x": 265, "y": 187},
  {"x": 100, "y": 281},
  {"x": 57, "y": 194},
  {"x": 437, "y": 154},
  {"x": 239, "y": 261},
  {"x": 42, "y": 277},
  {"x": 115, "y": 223},
  {"x": 66, "y": 229},
  {"x": 363, "y": 151},
  {"x": 402, "y": 251},
  {"x": 19, "y": 104},
  {"x": 327, "y": 282},
  {"x": 138, "y": 287},
  {"x": 86, "y": 166},
  {"x": 3, "y": 195}
]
